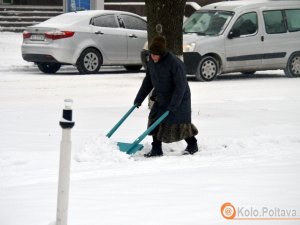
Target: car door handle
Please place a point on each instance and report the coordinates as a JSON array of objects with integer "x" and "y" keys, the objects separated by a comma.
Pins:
[
  {"x": 132, "y": 36},
  {"x": 99, "y": 32},
  {"x": 262, "y": 38}
]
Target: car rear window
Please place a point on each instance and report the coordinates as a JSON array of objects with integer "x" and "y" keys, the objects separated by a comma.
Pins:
[
  {"x": 132, "y": 22},
  {"x": 106, "y": 21}
]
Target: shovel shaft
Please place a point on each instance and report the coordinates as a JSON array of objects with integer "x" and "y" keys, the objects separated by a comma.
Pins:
[
  {"x": 151, "y": 128},
  {"x": 112, "y": 131}
]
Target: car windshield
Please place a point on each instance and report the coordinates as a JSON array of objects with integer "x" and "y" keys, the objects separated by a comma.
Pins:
[{"x": 212, "y": 22}]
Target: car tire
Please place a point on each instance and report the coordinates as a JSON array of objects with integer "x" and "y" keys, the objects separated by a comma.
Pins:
[
  {"x": 133, "y": 68},
  {"x": 293, "y": 65},
  {"x": 208, "y": 69},
  {"x": 248, "y": 73},
  {"x": 145, "y": 57},
  {"x": 49, "y": 68},
  {"x": 89, "y": 61}
]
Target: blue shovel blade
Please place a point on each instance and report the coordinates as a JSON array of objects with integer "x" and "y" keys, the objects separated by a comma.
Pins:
[{"x": 129, "y": 148}]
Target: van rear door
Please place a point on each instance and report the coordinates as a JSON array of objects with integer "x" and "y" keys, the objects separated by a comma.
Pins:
[{"x": 278, "y": 41}]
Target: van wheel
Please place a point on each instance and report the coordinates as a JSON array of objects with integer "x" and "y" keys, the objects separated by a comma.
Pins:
[
  {"x": 89, "y": 61},
  {"x": 293, "y": 66},
  {"x": 133, "y": 68},
  {"x": 49, "y": 67},
  {"x": 208, "y": 69}
]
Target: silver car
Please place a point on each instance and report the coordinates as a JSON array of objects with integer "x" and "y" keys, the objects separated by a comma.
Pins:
[{"x": 86, "y": 39}]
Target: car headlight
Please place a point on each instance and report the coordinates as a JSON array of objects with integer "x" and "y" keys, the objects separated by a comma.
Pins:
[{"x": 189, "y": 47}]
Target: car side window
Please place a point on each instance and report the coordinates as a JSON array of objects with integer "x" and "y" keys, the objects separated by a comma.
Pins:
[
  {"x": 274, "y": 22},
  {"x": 132, "y": 22},
  {"x": 105, "y": 21},
  {"x": 245, "y": 25},
  {"x": 293, "y": 19}
]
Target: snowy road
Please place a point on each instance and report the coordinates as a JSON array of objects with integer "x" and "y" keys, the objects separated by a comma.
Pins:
[{"x": 248, "y": 134}]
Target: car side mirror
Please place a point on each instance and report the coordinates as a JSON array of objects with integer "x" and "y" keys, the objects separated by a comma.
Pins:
[{"x": 233, "y": 34}]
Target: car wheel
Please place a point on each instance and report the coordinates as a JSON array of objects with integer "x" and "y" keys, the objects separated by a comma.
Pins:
[
  {"x": 134, "y": 68},
  {"x": 248, "y": 73},
  {"x": 49, "y": 67},
  {"x": 145, "y": 56},
  {"x": 89, "y": 61},
  {"x": 293, "y": 66},
  {"x": 208, "y": 69}
]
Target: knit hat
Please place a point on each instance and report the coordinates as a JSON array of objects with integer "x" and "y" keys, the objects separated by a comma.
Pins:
[{"x": 158, "y": 45}]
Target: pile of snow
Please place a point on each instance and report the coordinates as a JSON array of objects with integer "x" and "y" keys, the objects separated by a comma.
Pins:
[{"x": 102, "y": 150}]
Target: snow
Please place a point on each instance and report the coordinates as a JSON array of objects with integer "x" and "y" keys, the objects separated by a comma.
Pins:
[{"x": 248, "y": 135}]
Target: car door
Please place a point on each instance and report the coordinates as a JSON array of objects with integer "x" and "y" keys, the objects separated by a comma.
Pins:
[
  {"x": 276, "y": 39},
  {"x": 136, "y": 30},
  {"x": 244, "y": 46},
  {"x": 110, "y": 38}
]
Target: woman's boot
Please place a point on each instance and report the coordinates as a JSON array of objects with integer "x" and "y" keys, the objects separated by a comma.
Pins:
[
  {"x": 192, "y": 146},
  {"x": 156, "y": 148}
]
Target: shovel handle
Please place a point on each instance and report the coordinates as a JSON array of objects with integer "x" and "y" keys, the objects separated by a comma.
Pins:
[
  {"x": 151, "y": 128},
  {"x": 112, "y": 131}
]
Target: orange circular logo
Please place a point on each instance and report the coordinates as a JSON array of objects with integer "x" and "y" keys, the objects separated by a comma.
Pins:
[{"x": 228, "y": 211}]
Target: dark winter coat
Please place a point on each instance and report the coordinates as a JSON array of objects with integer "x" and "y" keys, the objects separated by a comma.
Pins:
[{"x": 171, "y": 89}]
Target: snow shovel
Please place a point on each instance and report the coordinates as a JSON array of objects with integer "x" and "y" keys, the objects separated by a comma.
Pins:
[
  {"x": 131, "y": 148},
  {"x": 113, "y": 130}
]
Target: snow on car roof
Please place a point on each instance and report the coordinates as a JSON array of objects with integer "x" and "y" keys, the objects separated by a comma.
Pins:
[
  {"x": 80, "y": 16},
  {"x": 235, "y": 5}
]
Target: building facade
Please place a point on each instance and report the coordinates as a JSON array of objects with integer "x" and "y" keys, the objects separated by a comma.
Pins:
[{"x": 32, "y": 2}]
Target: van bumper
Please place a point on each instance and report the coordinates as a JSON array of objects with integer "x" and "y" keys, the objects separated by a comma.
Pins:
[{"x": 191, "y": 61}]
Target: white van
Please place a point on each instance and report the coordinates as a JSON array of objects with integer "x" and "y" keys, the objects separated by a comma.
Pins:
[{"x": 243, "y": 36}]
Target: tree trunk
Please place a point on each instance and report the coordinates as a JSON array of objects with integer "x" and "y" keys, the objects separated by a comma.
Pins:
[{"x": 168, "y": 13}]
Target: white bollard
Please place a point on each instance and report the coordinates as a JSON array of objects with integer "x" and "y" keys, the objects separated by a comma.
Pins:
[{"x": 64, "y": 165}]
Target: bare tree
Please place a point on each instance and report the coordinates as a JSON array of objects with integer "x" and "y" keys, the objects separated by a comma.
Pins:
[{"x": 169, "y": 14}]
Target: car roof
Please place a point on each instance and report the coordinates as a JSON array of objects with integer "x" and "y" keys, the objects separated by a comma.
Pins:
[
  {"x": 242, "y": 5},
  {"x": 92, "y": 13},
  {"x": 78, "y": 18}
]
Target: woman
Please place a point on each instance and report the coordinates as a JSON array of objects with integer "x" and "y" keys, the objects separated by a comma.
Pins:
[{"x": 166, "y": 74}]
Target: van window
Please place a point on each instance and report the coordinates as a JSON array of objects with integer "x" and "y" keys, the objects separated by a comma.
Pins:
[
  {"x": 293, "y": 19},
  {"x": 274, "y": 22},
  {"x": 245, "y": 25},
  {"x": 211, "y": 22}
]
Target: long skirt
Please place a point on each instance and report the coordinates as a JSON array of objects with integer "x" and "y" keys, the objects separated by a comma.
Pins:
[{"x": 174, "y": 132}]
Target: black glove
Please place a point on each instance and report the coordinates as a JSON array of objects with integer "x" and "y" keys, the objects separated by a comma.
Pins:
[
  {"x": 153, "y": 98},
  {"x": 171, "y": 109},
  {"x": 137, "y": 104}
]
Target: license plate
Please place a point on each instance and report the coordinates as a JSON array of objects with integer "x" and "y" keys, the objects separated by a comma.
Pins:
[{"x": 37, "y": 37}]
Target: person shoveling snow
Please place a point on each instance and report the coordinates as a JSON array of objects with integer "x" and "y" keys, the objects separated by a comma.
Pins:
[{"x": 166, "y": 74}]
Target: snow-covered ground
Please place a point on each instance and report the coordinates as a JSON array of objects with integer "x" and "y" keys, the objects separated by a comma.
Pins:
[{"x": 248, "y": 134}]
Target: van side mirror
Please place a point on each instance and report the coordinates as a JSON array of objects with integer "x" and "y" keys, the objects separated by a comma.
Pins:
[{"x": 233, "y": 34}]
